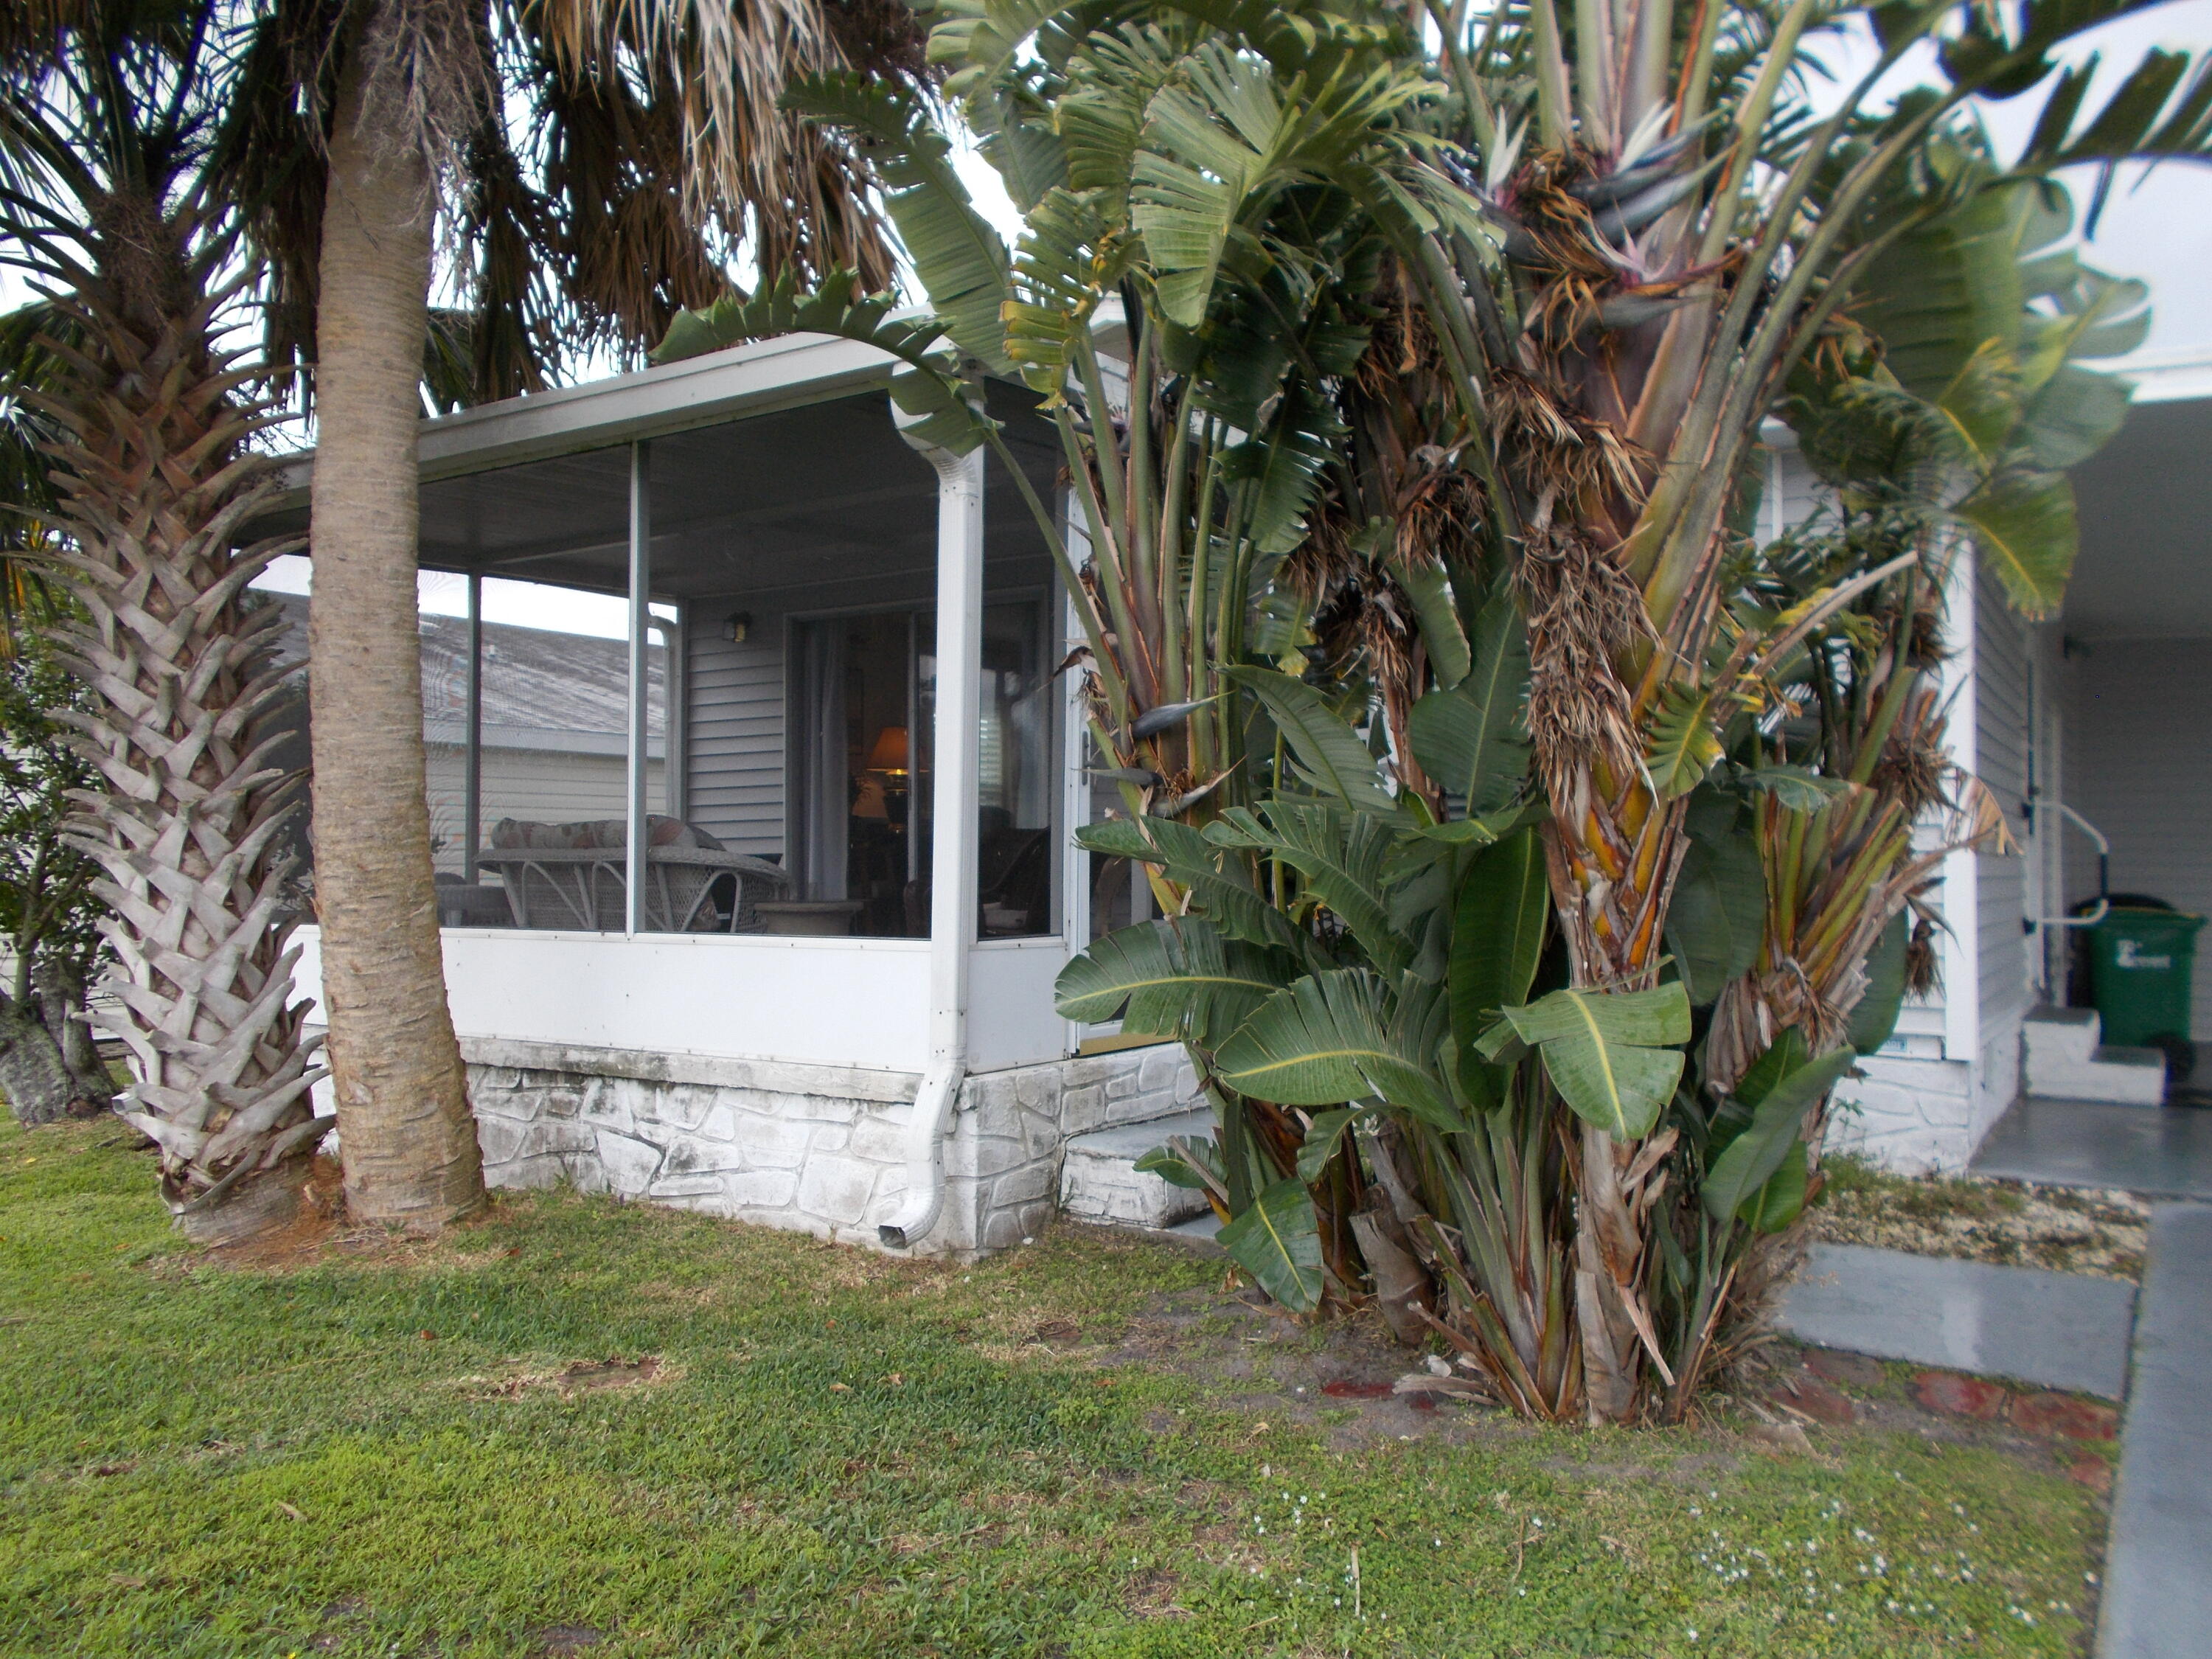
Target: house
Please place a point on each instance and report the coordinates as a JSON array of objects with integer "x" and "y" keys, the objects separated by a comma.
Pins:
[{"x": 759, "y": 909}]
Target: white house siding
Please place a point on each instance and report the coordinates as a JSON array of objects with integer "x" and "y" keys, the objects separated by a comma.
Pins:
[
  {"x": 2139, "y": 767},
  {"x": 549, "y": 785},
  {"x": 2003, "y": 727},
  {"x": 735, "y": 756}
]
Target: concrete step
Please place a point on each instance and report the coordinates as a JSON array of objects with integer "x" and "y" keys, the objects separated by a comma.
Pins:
[
  {"x": 1099, "y": 1181},
  {"x": 2063, "y": 1057}
]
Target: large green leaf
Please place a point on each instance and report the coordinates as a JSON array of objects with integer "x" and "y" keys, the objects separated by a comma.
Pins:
[
  {"x": 1342, "y": 855},
  {"x": 960, "y": 259},
  {"x": 1330, "y": 752},
  {"x": 1603, "y": 1052},
  {"x": 1472, "y": 737},
  {"x": 1182, "y": 850},
  {"x": 1430, "y": 589},
  {"x": 1719, "y": 909},
  {"x": 1322, "y": 1138},
  {"x": 1938, "y": 294},
  {"x": 1875, "y": 1016},
  {"x": 1782, "y": 1200},
  {"x": 1277, "y": 1242},
  {"x": 1176, "y": 978},
  {"x": 2024, "y": 531},
  {"x": 1332, "y": 1038},
  {"x": 2072, "y": 415},
  {"x": 1497, "y": 933},
  {"x": 1685, "y": 746},
  {"x": 1748, "y": 1162}
]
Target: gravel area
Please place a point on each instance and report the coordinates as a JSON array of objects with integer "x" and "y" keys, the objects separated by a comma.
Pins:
[{"x": 2013, "y": 1224}]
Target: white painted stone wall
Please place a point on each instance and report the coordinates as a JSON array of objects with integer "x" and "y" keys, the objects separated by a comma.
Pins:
[
  {"x": 1909, "y": 1115},
  {"x": 815, "y": 1149}
]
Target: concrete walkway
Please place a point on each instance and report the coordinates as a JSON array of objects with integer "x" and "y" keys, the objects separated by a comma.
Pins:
[
  {"x": 2054, "y": 1330},
  {"x": 2158, "y": 1564},
  {"x": 2162, "y": 1150}
]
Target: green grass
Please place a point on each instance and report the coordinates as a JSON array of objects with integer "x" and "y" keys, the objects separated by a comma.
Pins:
[{"x": 200, "y": 1461}]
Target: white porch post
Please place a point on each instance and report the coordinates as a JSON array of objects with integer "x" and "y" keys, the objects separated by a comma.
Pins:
[
  {"x": 954, "y": 797},
  {"x": 956, "y": 737},
  {"x": 472, "y": 782},
  {"x": 641, "y": 701}
]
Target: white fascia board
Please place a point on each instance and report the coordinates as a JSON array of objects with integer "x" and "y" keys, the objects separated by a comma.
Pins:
[
  {"x": 754, "y": 378},
  {"x": 2166, "y": 377}
]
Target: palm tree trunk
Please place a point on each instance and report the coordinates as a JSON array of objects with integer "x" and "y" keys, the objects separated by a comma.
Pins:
[
  {"x": 406, "y": 1136},
  {"x": 155, "y": 482}
]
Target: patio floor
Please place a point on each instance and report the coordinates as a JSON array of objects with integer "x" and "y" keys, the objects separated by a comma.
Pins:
[{"x": 2161, "y": 1151}]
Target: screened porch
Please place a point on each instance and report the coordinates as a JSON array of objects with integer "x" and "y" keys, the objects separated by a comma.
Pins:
[{"x": 720, "y": 676}]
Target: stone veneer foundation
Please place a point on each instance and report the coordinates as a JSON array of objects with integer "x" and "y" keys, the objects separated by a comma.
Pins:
[{"x": 816, "y": 1149}]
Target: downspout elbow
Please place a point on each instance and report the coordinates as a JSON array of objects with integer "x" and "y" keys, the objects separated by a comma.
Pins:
[{"x": 934, "y": 1105}]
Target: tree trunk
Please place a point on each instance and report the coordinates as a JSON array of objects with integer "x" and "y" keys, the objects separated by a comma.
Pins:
[
  {"x": 61, "y": 997},
  {"x": 156, "y": 481},
  {"x": 33, "y": 1074},
  {"x": 406, "y": 1136}
]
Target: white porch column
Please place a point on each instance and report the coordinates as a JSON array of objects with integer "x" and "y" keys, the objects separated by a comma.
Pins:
[
  {"x": 640, "y": 692},
  {"x": 472, "y": 783},
  {"x": 954, "y": 797},
  {"x": 956, "y": 739}
]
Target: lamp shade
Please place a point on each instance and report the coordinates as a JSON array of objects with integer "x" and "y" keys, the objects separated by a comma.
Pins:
[{"x": 889, "y": 754}]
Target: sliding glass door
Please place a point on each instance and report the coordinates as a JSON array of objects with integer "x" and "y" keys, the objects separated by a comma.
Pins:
[{"x": 862, "y": 767}]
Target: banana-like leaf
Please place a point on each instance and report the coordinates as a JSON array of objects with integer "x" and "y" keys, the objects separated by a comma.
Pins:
[
  {"x": 1782, "y": 1200},
  {"x": 1875, "y": 1016},
  {"x": 1187, "y": 857},
  {"x": 1473, "y": 738},
  {"x": 2072, "y": 415},
  {"x": 1332, "y": 1038},
  {"x": 1608, "y": 1053},
  {"x": 1175, "y": 978},
  {"x": 1277, "y": 474},
  {"x": 1796, "y": 789},
  {"x": 1323, "y": 1136},
  {"x": 1944, "y": 289},
  {"x": 1277, "y": 1241},
  {"x": 1328, "y": 751},
  {"x": 1195, "y": 1166},
  {"x": 1983, "y": 402},
  {"x": 960, "y": 259},
  {"x": 2023, "y": 524},
  {"x": 1684, "y": 746},
  {"x": 1749, "y": 1161},
  {"x": 1430, "y": 589},
  {"x": 1498, "y": 935},
  {"x": 1343, "y": 857},
  {"x": 1718, "y": 913}
]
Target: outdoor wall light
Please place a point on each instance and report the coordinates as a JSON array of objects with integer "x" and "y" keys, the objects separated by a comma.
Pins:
[{"x": 740, "y": 625}]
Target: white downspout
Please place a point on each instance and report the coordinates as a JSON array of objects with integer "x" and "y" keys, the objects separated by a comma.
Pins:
[{"x": 957, "y": 733}]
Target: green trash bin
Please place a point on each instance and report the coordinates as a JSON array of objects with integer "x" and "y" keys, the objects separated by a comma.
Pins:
[{"x": 2140, "y": 962}]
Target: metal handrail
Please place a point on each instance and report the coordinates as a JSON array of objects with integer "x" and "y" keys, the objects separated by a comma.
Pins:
[{"x": 2103, "y": 905}]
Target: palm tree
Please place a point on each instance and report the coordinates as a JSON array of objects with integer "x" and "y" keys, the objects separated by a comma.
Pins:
[
  {"x": 655, "y": 152},
  {"x": 108, "y": 115}
]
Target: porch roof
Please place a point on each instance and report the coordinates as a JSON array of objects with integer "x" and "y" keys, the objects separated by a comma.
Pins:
[
  {"x": 2145, "y": 569},
  {"x": 761, "y": 455}
]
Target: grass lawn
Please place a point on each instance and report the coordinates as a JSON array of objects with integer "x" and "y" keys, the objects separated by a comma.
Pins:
[{"x": 1086, "y": 1448}]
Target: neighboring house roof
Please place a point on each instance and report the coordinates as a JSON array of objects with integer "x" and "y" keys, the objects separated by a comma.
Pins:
[{"x": 542, "y": 690}]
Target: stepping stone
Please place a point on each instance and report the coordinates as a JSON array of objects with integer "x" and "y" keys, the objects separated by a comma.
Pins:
[
  {"x": 2072, "y": 1143},
  {"x": 2052, "y": 1330},
  {"x": 2093, "y": 1472},
  {"x": 1817, "y": 1400},
  {"x": 1961, "y": 1396},
  {"x": 1861, "y": 1370},
  {"x": 2065, "y": 1416},
  {"x": 2158, "y": 1595}
]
